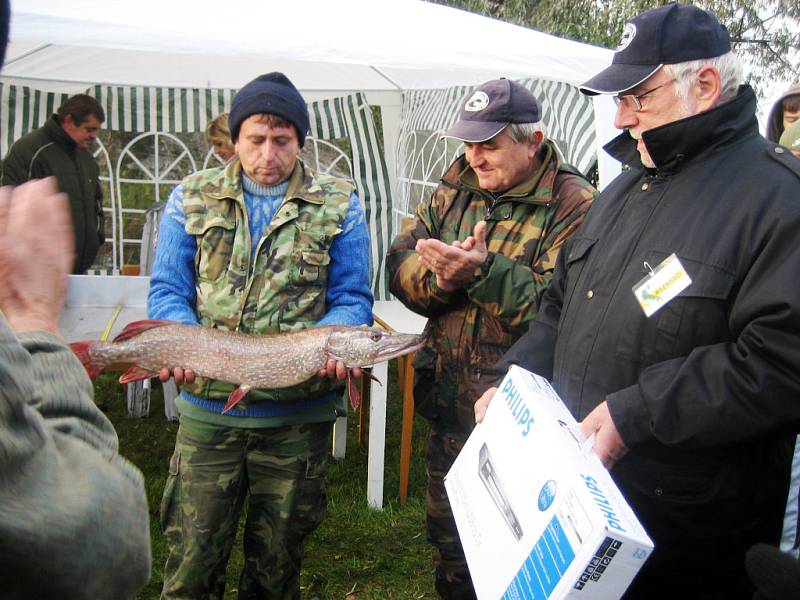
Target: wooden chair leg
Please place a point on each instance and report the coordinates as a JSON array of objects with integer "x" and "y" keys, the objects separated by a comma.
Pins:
[
  {"x": 408, "y": 425},
  {"x": 363, "y": 409},
  {"x": 401, "y": 375}
]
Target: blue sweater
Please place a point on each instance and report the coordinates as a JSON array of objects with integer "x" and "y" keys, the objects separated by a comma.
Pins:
[{"x": 172, "y": 283}]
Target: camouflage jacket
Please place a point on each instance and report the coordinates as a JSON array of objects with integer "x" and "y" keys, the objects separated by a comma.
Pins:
[
  {"x": 284, "y": 289},
  {"x": 472, "y": 327}
]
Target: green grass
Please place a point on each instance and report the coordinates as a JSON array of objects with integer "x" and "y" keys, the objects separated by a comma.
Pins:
[{"x": 373, "y": 554}]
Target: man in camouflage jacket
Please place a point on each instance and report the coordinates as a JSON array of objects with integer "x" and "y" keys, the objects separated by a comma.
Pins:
[
  {"x": 476, "y": 261},
  {"x": 262, "y": 245}
]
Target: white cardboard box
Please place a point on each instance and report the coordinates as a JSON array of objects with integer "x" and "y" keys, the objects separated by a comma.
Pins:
[{"x": 538, "y": 514}]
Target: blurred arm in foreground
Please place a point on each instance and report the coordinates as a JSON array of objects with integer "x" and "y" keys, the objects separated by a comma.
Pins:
[{"x": 73, "y": 513}]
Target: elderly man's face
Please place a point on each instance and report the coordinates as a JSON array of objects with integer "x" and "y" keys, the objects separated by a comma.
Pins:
[
  {"x": 501, "y": 163},
  {"x": 660, "y": 107},
  {"x": 267, "y": 152}
]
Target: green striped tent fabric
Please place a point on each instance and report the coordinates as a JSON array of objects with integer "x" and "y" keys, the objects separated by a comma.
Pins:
[
  {"x": 351, "y": 117},
  {"x": 22, "y": 109},
  {"x": 180, "y": 110},
  {"x": 173, "y": 110}
]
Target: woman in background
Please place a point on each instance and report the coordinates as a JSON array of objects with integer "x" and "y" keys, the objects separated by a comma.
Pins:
[{"x": 219, "y": 136}]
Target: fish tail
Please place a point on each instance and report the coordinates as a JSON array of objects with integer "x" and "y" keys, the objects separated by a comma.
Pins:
[{"x": 83, "y": 350}]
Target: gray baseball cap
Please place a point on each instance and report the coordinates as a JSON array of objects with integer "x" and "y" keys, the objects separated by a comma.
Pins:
[{"x": 491, "y": 107}]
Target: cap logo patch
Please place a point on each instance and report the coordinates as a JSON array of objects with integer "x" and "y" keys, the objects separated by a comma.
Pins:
[
  {"x": 478, "y": 101},
  {"x": 628, "y": 33}
]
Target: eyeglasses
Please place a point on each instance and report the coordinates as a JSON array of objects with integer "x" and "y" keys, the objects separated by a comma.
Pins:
[{"x": 634, "y": 101}]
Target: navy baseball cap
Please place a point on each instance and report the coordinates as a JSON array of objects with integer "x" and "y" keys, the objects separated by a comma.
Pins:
[
  {"x": 666, "y": 35},
  {"x": 491, "y": 107}
]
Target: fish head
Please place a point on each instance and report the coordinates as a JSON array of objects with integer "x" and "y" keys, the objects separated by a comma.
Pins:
[{"x": 361, "y": 346}]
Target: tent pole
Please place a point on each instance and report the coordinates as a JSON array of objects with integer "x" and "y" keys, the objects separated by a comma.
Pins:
[
  {"x": 386, "y": 77},
  {"x": 27, "y": 54}
]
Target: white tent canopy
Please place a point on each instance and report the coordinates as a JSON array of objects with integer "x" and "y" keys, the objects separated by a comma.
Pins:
[{"x": 344, "y": 45}]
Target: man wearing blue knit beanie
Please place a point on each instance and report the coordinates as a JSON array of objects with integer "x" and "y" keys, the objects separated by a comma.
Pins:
[
  {"x": 262, "y": 245},
  {"x": 274, "y": 94}
]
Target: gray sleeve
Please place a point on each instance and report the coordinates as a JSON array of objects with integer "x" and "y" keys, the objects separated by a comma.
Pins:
[{"x": 73, "y": 512}]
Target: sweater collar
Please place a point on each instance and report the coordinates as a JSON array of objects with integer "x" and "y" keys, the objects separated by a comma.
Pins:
[
  {"x": 256, "y": 189},
  {"x": 674, "y": 143}
]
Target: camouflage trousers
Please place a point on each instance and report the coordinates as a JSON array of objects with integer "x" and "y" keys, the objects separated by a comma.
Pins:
[
  {"x": 453, "y": 581},
  {"x": 279, "y": 472}
]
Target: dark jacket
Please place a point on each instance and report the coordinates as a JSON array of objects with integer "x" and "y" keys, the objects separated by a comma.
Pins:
[
  {"x": 50, "y": 151},
  {"x": 705, "y": 392},
  {"x": 471, "y": 328},
  {"x": 775, "y": 119}
]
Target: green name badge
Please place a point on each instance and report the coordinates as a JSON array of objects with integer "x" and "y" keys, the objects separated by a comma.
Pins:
[{"x": 661, "y": 285}]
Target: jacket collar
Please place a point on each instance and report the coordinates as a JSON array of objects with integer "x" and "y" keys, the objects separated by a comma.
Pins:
[
  {"x": 56, "y": 132},
  {"x": 674, "y": 143}
]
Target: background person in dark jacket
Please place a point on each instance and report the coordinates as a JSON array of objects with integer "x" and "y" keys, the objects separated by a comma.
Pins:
[
  {"x": 694, "y": 405},
  {"x": 61, "y": 147}
]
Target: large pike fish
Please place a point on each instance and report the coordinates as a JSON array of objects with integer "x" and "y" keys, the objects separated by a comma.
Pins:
[{"x": 249, "y": 361}]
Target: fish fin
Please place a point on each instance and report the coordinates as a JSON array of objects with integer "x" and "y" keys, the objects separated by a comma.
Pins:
[
  {"x": 353, "y": 392},
  {"x": 369, "y": 375},
  {"x": 353, "y": 389},
  {"x": 83, "y": 350},
  {"x": 136, "y": 327},
  {"x": 136, "y": 373},
  {"x": 236, "y": 395}
]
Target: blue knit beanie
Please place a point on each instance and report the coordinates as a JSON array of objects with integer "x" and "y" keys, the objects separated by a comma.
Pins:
[{"x": 274, "y": 94}]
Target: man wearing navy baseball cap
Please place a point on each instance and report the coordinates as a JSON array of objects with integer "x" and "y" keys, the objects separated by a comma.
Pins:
[
  {"x": 476, "y": 261},
  {"x": 671, "y": 327}
]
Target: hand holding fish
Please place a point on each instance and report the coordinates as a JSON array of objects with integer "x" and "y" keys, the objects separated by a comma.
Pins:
[
  {"x": 37, "y": 249},
  {"x": 180, "y": 374},
  {"x": 336, "y": 369}
]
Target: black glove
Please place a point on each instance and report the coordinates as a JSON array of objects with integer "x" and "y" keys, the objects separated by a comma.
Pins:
[{"x": 775, "y": 574}]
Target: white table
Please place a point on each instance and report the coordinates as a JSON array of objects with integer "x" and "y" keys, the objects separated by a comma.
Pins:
[
  {"x": 96, "y": 303},
  {"x": 93, "y": 300}
]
